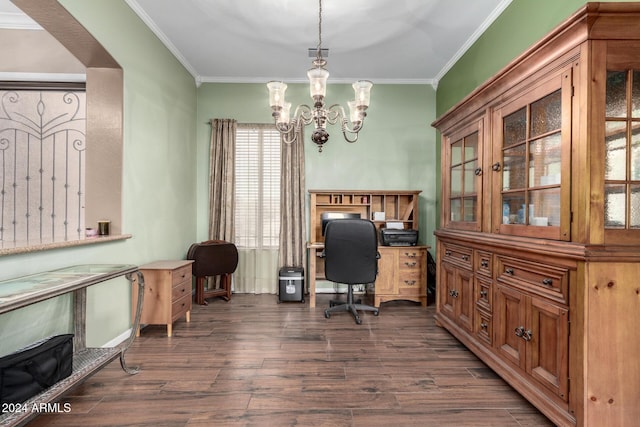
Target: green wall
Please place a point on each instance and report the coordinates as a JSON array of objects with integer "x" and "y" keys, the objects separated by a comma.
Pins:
[
  {"x": 395, "y": 150},
  {"x": 159, "y": 179}
]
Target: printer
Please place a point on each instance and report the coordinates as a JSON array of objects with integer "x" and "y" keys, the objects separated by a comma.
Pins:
[{"x": 398, "y": 237}]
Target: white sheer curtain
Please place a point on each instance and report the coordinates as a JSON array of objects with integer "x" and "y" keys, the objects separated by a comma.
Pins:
[{"x": 257, "y": 271}]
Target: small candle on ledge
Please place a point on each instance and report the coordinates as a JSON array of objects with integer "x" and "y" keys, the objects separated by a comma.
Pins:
[{"x": 103, "y": 227}]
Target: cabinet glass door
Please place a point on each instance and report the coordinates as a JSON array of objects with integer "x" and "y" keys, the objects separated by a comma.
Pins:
[
  {"x": 532, "y": 163},
  {"x": 530, "y": 148},
  {"x": 462, "y": 189},
  {"x": 622, "y": 151}
]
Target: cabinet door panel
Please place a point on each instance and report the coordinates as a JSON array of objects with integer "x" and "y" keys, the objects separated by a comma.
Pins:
[
  {"x": 386, "y": 282},
  {"x": 448, "y": 285},
  {"x": 510, "y": 310},
  {"x": 548, "y": 361},
  {"x": 465, "y": 299}
]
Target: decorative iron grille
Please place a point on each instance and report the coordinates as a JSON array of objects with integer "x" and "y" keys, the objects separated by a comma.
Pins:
[{"x": 42, "y": 165}]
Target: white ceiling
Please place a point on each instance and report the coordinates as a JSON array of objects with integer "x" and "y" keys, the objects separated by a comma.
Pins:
[{"x": 385, "y": 41}]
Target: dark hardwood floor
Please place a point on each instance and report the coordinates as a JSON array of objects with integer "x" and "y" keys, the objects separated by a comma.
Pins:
[{"x": 254, "y": 362}]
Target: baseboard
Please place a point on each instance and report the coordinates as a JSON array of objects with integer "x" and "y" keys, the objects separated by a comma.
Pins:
[
  {"x": 332, "y": 288},
  {"x": 119, "y": 339}
]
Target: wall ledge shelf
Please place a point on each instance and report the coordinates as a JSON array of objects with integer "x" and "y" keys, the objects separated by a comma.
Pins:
[{"x": 14, "y": 248}]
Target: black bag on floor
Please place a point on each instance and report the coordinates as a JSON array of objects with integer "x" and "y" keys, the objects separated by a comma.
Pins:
[{"x": 29, "y": 371}]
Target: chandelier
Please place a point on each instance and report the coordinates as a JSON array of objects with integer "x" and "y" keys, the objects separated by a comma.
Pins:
[{"x": 318, "y": 114}]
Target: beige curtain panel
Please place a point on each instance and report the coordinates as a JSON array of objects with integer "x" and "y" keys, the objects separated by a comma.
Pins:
[
  {"x": 293, "y": 224},
  {"x": 221, "y": 178}
]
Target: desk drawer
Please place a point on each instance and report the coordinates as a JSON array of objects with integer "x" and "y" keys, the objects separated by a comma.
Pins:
[{"x": 409, "y": 278}]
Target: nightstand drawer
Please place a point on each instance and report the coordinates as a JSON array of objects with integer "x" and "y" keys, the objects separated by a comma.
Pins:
[
  {"x": 180, "y": 307},
  {"x": 180, "y": 290},
  {"x": 181, "y": 274}
]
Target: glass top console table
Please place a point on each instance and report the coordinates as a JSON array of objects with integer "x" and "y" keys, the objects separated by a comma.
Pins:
[{"x": 27, "y": 290}]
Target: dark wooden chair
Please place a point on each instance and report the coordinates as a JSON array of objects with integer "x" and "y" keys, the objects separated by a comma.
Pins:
[{"x": 213, "y": 258}]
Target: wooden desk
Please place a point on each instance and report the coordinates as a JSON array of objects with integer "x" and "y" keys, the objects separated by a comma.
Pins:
[
  {"x": 402, "y": 273},
  {"x": 28, "y": 290}
]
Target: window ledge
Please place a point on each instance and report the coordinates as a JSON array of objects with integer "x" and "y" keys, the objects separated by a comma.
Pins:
[{"x": 12, "y": 248}]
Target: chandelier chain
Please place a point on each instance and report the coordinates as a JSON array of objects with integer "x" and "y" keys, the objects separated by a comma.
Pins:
[
  {"x": 319, "y": 49},
  {"x": 319, "y": 115}
]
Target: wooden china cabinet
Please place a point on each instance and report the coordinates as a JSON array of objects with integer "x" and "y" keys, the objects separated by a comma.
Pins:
[{"x": 539, "y": 240}]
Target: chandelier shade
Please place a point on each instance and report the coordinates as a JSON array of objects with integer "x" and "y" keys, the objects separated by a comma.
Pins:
[{"x": 319, "y": 115}]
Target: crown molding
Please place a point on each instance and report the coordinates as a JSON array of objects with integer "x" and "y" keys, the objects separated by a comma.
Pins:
[{"x": 17, "y": 21}]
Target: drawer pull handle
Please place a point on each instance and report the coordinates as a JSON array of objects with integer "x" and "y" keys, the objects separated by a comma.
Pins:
[
  {"x": 453, "y": 293},
  {"x": 526, "y": 335},
  {"x": 483, "y": 325},
  {"x": 410, "y": 255},
  {"x": 483, "y": 294},
  {"x": 484, "y": 263},
  {"x": 508, "y": 271},
  {"x": 410, "y": 264},
  {"x": 465, "y": 257},
  {"x": 410, "y": 282},
  {"x": 447, "y": 253},
  {"x": 547, "y": 281}
]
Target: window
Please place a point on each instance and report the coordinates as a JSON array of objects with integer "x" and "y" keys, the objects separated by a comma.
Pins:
[
  {"x": 257, "y": 189},
  {"x": 42, "y": 165}
]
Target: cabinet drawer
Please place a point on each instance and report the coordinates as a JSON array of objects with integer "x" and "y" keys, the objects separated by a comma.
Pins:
[
  {"x": 180, "y": 307},
  {"x": 542, "y": 279},
  {"x": 180, "y": 290},
  {"x": 457, "y": 255},
  {"x": 484, "y": 263},
  {"x": 484, "y": 327},
  {"x": 483, "y": 295},
  {"x": 180, "y": 275}
]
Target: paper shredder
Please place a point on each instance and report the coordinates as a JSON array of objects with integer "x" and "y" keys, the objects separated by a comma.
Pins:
[{"x": 291, "y": 281}]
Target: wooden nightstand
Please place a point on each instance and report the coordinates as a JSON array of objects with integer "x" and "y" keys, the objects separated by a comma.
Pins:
[{"x": 167, "y": 293}]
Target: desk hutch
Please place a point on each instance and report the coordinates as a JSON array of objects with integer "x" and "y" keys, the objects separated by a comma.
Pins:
[
  {"x": 402, "y": 271},
  {"x": 539, "y": 239}
]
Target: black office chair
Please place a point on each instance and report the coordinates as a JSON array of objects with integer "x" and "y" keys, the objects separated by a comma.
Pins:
[{"x": 351, "y": 257}]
